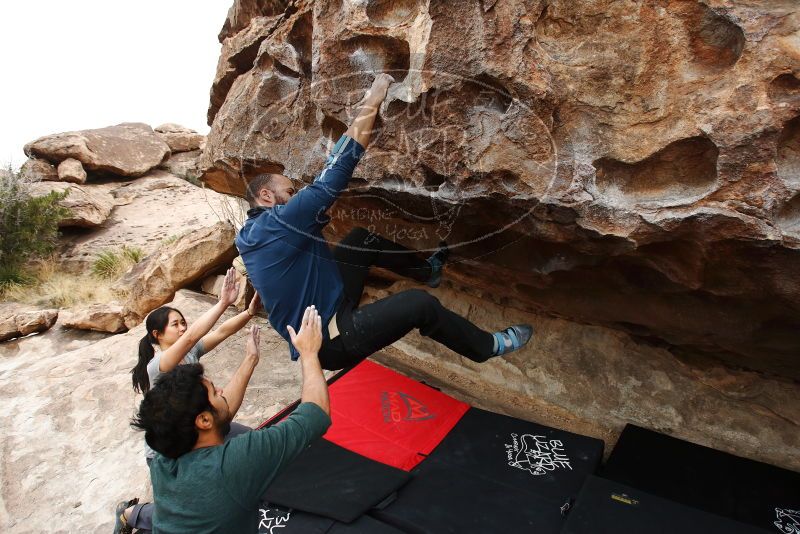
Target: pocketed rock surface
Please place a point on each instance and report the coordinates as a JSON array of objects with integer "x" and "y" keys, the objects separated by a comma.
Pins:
[
  {"x": 628, "y": 164},
  {"x": 629, "y": 168}
]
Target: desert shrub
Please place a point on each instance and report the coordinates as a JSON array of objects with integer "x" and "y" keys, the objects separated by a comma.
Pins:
[
  {"x": 107, "y": 264},
  {"x": 132, "y": 255},
  {"x": 112, "y": 263},
  {"x": 47, "y": 284},
  {"x": 28, "y": 224},
  {"x": 11, "y": 277},
  {"x": 167, "y": 241}
]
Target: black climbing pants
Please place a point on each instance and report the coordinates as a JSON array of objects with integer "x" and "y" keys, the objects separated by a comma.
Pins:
[{"x": 369, "y": 328}]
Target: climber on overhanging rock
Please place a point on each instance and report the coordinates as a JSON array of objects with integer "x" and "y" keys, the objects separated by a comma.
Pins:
[{"x": 291, "y": 266}]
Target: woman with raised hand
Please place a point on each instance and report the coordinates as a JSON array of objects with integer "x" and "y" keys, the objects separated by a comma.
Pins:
[{"x": 178, "y": 343}]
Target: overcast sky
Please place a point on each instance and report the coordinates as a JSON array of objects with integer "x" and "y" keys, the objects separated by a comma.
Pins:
[{"x": 92, "y": 63}]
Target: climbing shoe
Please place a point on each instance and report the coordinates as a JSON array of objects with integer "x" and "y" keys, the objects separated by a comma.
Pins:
[
  {"x": 512, "y": 338},
  {"x": 120, "y": 523},
  {"x": 437, "y": 261}
]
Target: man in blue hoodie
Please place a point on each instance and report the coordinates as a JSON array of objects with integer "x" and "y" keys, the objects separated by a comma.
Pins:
[{"x": 291, "y": 265}]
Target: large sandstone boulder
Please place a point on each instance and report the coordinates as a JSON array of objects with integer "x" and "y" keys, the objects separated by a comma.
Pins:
[
  {"x": 97, "y": 317},
  {"x": 154, "y": 281},
  {"x": 641, "y": 193},
  {"x": 127, "y": 149},
  {"x": 71, "y": 170},
  {"x": 39, "y": 170},
  {"x": 179, "y": 138},
  {"x": 87, "y": 207},
  {"x": 17, "y": 320},
  {"x": 631, "y": 165}
]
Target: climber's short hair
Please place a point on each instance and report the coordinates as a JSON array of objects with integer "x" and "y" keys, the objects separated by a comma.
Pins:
[
  {"x": 168, "y": 411},
  {"x": 261, "y": 181}
]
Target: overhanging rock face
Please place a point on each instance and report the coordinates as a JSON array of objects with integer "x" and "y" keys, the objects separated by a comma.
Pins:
[{"x": 629, "y": 165}]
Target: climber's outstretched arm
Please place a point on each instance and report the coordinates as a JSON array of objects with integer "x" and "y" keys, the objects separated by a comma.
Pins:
[
  {"x": 306, "y": 209},
  {"x": 361, "y": 129}
]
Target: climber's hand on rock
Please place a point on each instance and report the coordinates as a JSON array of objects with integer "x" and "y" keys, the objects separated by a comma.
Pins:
[{"x": 380, "y": 86}]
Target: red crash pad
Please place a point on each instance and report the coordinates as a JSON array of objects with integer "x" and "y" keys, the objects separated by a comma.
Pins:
[{"x": 388, "y": 417}]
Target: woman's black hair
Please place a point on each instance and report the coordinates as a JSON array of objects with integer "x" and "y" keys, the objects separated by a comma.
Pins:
[{"x": 157, "y": 320}]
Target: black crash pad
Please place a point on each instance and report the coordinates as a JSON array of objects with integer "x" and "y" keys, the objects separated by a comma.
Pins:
[
  {"x": 714, "y": 481},
  {"x": 607, "y": 507},
  {"x": 330, "y": 481},
  {"x": 550, "y": 462},
  {"x": 441, "y": 498},
  {"x": 274, "y": 519}
]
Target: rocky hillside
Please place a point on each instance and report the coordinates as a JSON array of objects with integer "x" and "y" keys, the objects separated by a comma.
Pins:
[
  {"x": 68, "y": 449},
  {"x": 625, "y": 175}
]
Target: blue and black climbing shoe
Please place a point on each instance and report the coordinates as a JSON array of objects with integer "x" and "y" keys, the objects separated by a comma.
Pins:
[
  {"x": 512, "y": 338},
  {"x": 437, "y": 261}
]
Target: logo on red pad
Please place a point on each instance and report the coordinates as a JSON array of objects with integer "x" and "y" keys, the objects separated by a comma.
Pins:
[{"x": 398, "y": 406}]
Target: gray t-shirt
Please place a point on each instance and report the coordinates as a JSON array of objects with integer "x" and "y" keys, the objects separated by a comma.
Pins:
[{"x": 154, "y": 373}]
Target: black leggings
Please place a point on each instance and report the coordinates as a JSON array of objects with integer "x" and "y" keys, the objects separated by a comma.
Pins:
[{"x": 381, "y": 323}]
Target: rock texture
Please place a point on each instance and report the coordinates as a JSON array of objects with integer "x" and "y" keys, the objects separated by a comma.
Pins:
[
  {"x": 127, "y": 149},
  {"x": 97, "y": 317},
  {"x": 17, "y": 320},
  {"x": 67, "y": 403},
  {"x": 71, "y": 170},
  {"x": 179, "y": 138},
  {"x": 154, "y": 281},
  {"x": 642, "y": 180},
  {"x": 629, "y": 165},
  {"x": 148, "y": 210},
  {"x": 38, "y": 170},
  {"x": 184, "y": 164},
  {"x": 593, "y": 380},
  {"x": 88, "y": 207}
]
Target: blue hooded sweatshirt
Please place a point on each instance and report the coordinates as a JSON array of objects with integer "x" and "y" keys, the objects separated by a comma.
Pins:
[{"x": 288, "y": 260}]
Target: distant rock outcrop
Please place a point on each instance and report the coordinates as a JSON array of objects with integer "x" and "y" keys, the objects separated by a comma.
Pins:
[
  {"x": 97, "y": 317},
  {"x": 179, "y": 138},
  {"x": 128, "y": 149},
  {"x": 184, "y": 164},
  {"x": 148, "y": 210},
  {"x": 38, "y": 170}
]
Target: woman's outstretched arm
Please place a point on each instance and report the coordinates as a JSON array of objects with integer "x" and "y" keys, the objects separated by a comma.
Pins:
[
  {"x": 231, "y": 326},
  {"x": 171, "y": 357}
]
